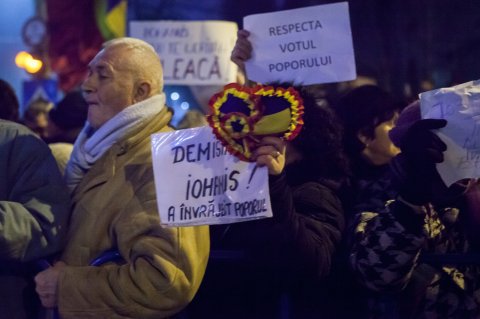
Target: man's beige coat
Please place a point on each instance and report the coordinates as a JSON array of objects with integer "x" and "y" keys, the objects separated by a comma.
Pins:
[{"x": 115, "y": 208}]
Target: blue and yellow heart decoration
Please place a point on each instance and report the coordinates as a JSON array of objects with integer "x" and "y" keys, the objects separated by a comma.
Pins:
[{"x": 241, "y": 116}]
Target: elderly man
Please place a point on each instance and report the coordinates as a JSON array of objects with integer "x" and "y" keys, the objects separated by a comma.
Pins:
[
  {"x": 110, "y": 175},
  {"x": 34, "y": 207}
]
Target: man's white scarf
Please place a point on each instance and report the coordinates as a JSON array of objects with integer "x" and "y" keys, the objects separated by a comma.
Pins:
[{"x": 90, "y": 145}]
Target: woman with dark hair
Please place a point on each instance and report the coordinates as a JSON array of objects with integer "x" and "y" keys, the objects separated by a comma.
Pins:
[
  {"x": 304, "y": 176},
  {"x": 320, "y": 141},
  {"x": 420, "y": 253},
  {"x": 282, "y": 262},
  {"x": 368, "y": 113}
]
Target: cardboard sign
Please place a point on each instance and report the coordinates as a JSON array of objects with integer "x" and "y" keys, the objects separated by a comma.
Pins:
[
  {"x": 192, "y": 52},
  {"x": 199, "y": 183},
  {"x": 303, "y": 46},
  {"x": 460, "y": 106}
]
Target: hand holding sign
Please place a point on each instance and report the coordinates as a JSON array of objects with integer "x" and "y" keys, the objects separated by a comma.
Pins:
[
  {"x": 271, "y": 153},
  {"x": 414, "y": 171},
  {"x": 199, "y": 183},
  {"x": 242, "y": 50},
  {"x": 241, "y": 116}
]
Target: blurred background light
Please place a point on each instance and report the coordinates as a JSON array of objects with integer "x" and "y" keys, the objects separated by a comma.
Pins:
[
  {"x": 25, "y": 60},
  {"x": 21, "y": 58},
  {"x": 185, "y": 106},
  {"x": 33, "y": 65},
  {"x": 181, "y": 100}
]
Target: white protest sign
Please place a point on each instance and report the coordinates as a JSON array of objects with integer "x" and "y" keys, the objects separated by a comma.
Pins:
[
  {"x": 304, "y": 46},
  {"x": 199, "y": 183},
  {"x": 192, "y": 52},
  {"x": 460, "y": 106}
]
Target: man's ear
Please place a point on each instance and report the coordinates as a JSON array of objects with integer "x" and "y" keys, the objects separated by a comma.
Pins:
[{"x": 142, "y": 92}]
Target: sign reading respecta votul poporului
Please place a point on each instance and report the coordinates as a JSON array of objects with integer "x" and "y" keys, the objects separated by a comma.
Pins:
[{"x": 304, "y": 46}]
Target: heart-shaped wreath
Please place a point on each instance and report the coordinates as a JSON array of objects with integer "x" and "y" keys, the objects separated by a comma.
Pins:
[{"x": 241, "y": 116}]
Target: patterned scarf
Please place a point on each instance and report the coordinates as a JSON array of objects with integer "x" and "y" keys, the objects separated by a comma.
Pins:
[{"x": 91, "y": 144}]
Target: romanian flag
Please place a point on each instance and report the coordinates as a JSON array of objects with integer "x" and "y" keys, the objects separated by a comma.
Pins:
[{"x": 111, "y": 16}]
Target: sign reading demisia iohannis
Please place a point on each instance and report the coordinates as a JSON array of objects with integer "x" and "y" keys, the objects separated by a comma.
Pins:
[
  {"x": 199, "y": 183},
  {"x": 192, "y": 52},
  {"x": 304, "y": 46}
]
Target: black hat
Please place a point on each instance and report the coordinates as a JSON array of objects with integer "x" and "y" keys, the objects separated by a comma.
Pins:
[{"x": 70, "y": 112}]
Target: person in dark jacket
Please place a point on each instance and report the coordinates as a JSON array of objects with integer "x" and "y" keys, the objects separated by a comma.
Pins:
[
  {"x": 34, "y": 210},
  {"x": 368, "y": 113},
  {"x": 420, "y": 252},
  {"x": 276, "y": 267}
]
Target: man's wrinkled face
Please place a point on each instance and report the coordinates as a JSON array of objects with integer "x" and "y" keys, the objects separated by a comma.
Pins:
[{"x": 109, "y": 86}]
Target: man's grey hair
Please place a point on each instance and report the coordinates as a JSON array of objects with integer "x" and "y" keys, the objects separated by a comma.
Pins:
[{"x": 144, "y": 60}]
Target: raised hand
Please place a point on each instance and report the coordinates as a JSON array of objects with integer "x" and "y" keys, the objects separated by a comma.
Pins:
[
  {"x": 271, "y": 153},
  {"x": 242, "y": 50},
  {"x": 414, "y": 168}
]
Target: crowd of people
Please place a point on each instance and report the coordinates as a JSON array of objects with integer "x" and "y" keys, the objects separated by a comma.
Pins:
[{"x": 362, "y": 226}]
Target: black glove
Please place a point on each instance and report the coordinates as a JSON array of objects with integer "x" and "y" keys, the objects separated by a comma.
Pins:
[{"x": 414, "y": 172}]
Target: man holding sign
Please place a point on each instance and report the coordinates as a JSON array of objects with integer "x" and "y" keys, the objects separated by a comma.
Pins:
[
  {"x": 291, "y": 252},
  {"x": 287, "y": 258},
  {"x": 110, "y": 177}
]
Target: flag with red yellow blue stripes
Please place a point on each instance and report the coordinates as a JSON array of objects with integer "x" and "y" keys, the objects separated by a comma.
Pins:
[{"x": 111, "y": 16}]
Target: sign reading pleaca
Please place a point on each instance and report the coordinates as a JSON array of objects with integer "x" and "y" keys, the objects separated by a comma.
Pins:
[
  {"x": 199, "y": 183},
  {"x": 192, "y": 52},
  {"x": 303, "y": 46}
]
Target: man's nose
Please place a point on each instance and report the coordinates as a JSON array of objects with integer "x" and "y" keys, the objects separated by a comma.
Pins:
[{"x": 88, "y": 85}]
